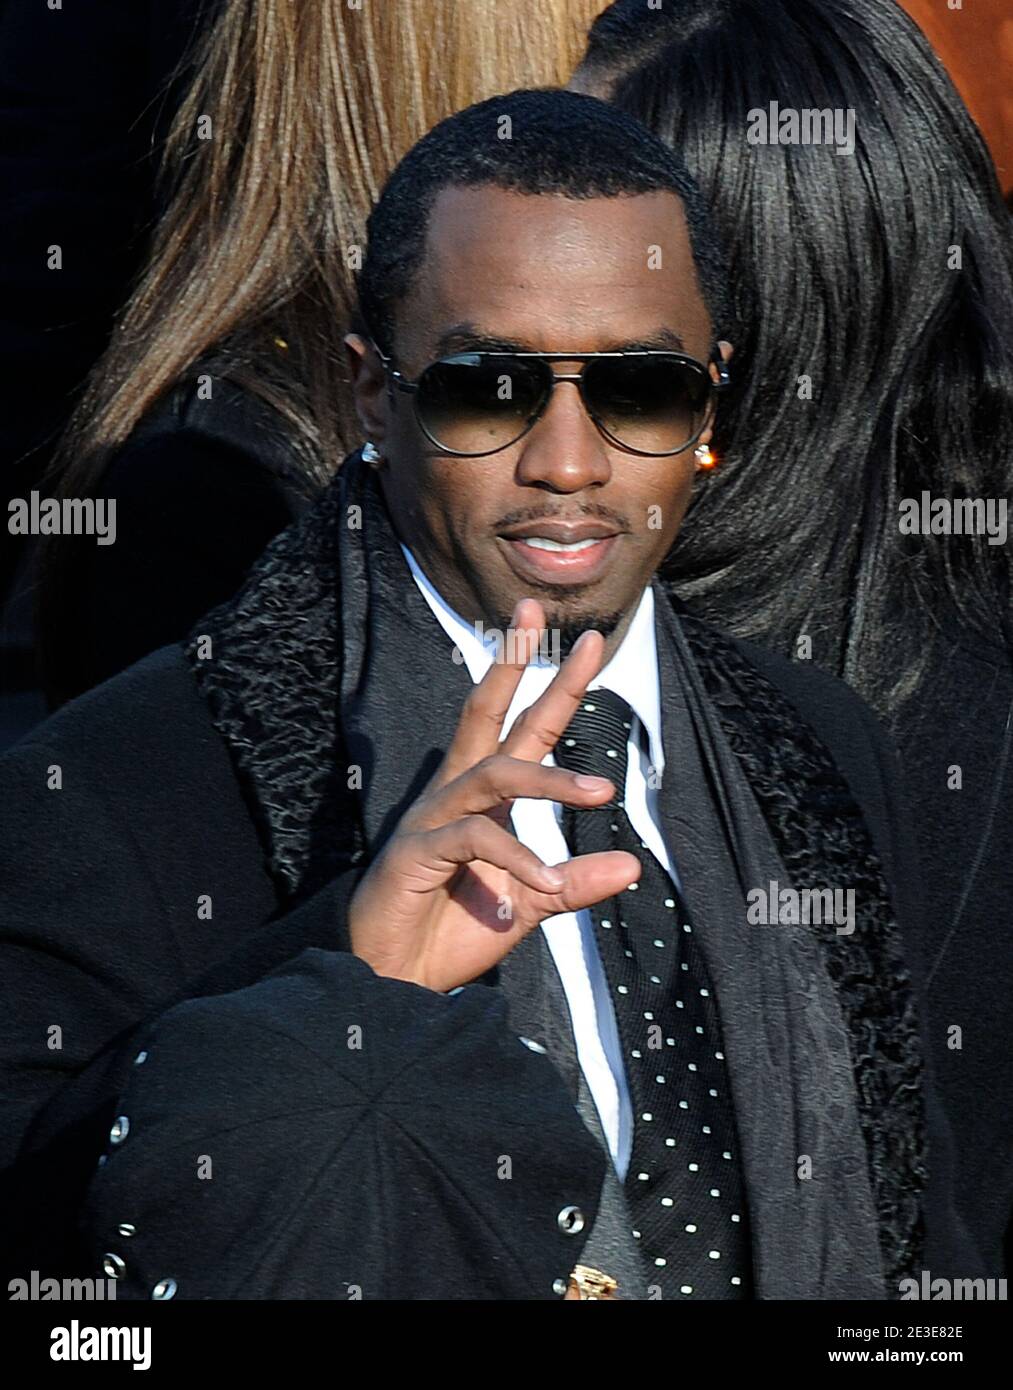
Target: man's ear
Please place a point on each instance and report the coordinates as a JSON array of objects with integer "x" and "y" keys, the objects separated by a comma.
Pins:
[{"x": 369, "y": 388}]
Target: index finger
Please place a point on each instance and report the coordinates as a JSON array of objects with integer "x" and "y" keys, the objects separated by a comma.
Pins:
[
  {"x": 542, "y": 725},
  {"x": 480, "y": 727}
]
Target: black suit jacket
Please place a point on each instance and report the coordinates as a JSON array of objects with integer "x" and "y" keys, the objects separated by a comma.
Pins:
[{"x": 128, "y": 816}]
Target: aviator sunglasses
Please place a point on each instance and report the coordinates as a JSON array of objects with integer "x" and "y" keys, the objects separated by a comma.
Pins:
[{"x": 470, "y": 404}]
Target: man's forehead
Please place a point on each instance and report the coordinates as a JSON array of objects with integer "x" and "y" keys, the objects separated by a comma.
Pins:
[
  {"x": 548, "y": 272},
  {"x": 458, "y": 211}
]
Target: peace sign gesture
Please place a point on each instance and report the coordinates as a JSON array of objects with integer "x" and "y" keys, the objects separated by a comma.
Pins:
[{"x": 453, "y": 891}]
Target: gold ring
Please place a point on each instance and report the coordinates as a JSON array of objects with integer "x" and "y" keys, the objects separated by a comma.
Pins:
[{"x": 592, "y": 1285}]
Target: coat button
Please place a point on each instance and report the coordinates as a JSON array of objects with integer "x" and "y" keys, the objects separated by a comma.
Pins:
[
  {"x": 534, "y": 1046},
  {"x": 140, "y": 1059},
  {"x": 571, "y": 1221},
  {"x": 120, "y": 1130},
  {"x": 125, "y": 1228},
  {"x": 113, "y": 1266},
  {"x": 165, "y": 1288},
  {"x": 559, "y": 1286}
]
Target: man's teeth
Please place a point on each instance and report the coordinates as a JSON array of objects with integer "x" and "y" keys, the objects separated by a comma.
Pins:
[{"x": 543, "y": 543}]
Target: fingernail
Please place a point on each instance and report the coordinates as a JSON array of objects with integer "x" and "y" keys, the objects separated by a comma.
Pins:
[
  {"x": 552, "y": 877},
  {"x": 591, "y": 784}
]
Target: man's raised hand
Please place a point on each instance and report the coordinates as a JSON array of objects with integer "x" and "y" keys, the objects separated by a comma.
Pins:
[{"x": 453, "y": 891}]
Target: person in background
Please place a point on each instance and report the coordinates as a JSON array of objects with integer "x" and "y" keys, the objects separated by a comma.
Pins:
[
  {"x": 222, "y": 404},
  {"x": 873, "y": 369},
  {"x": 87, "y": 93}
]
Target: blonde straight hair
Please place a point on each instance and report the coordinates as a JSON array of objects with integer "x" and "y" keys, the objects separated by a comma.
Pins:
[{"x": 297, "y": 112}]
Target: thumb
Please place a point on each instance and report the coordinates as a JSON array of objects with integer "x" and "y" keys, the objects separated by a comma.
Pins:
[{"x": 594, "y": 878}]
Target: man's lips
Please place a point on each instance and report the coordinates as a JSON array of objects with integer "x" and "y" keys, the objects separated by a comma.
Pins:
[
  {"x": 565, "y": 532},
  {"x": 559, "y": 552}
]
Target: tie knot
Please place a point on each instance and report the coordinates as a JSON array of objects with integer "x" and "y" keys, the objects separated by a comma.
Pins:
[{"x": 594, "y": 741}]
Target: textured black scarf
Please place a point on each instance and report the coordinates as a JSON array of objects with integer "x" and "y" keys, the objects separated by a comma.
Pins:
[{"x": 280, "y": 663}]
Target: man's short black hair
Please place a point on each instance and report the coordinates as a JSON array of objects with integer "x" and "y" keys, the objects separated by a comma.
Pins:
[{"x": 540, "y": 141}]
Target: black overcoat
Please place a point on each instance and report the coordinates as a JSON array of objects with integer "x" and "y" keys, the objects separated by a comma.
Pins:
[{"x": 134, "y": 880}]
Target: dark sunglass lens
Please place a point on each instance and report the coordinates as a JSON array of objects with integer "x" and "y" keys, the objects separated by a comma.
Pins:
[
  {"x": 474, "y": 404},
  {"x": 656, "y": 405}
]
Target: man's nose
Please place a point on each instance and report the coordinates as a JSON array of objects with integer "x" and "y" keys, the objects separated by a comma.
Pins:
[{"x": 564, "y": 451}]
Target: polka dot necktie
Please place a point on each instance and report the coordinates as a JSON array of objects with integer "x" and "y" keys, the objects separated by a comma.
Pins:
[{"x": 684, "y": 1183}]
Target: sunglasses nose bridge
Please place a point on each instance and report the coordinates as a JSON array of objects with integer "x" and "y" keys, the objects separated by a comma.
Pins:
[
  {"x": 563, "y": 450},
  {"x": 556, "y": 379},
  {"x": 579, "y": 380}
]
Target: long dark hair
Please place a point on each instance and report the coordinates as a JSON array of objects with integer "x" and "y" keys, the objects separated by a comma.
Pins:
[{"x": 880, "y": 281}]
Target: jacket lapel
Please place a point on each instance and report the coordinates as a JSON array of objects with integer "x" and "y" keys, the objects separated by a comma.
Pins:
[
  {"x": 399, "y": 680},
  {"x": 401, "y": 692}
]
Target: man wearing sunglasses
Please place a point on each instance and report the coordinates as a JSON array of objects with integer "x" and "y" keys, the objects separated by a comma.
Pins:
[{"x": 391, "y": 961}]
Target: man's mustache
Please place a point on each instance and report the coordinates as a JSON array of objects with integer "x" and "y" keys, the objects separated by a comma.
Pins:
[{"x": 585, "y": 509}]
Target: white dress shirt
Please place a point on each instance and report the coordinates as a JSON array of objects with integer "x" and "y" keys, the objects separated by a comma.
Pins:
[{"x": 632, "y": 673}]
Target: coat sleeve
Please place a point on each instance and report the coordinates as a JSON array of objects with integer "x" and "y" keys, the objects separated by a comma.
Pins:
[
  {"x": 329, "y": 1134},
  {"x": 120, "y": 818},
  {"x": 91, "y": 952}
]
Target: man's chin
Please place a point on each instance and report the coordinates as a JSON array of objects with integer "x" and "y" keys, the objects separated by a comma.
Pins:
[{"x": 562, "y": 628}]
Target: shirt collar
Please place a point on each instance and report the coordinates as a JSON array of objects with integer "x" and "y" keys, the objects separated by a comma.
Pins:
[{"x": 632, "y": 673}]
